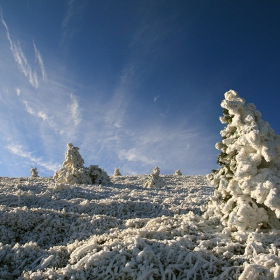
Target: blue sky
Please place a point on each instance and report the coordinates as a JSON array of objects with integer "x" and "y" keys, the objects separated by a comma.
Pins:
[{"x": 133, "y": 84}]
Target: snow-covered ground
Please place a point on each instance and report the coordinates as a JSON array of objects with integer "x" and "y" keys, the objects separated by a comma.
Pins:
[{"x": 124, "y": 231}]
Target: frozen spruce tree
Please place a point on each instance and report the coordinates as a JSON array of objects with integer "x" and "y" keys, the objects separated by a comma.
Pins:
[
  {"x": 74, "y": 172},
  {"x": 117, "y": 172},
  {"x": 34, "y": 172},
  {"x": 154, "y": 179},
  {"x": 177, "y": 173},
  {"x": 247, "y": 194},
  {"x": 97, "y": 175}
]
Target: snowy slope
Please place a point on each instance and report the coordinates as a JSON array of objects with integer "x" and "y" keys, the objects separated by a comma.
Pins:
[{"x": 124, "y": 231}]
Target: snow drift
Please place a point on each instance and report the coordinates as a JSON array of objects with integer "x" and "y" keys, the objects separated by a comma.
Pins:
[{"x": 121, "y": 231}]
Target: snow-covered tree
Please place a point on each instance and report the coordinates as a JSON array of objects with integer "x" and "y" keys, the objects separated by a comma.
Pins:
[
  {"x": 34, "y": 172},
  {"x": 154, "y": 179},
  {"x": 98, "y": 175},
  {"x": 247, "y": 193},
  {"x": 117, "y": 172},
  {"x": 177, "y": 173},
  {"x": 74, "y": 172}
]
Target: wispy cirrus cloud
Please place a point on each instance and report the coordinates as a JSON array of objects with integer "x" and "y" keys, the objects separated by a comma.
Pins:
[
  {"x": 165, "y": 146},
  {"x": 69, "y": 13},
  {"x": 156, "y": 98},
  {"x": 23, "y": 65},
  {"x": 40, "y": 114},
  {"x": 19, "y": 151},
  {"x": 41, "y": 63},
  {"x": 22, "y": 61},
  {"x": 39, "y": 109},
  {"x": 74, "y": 109},
  {"x": 136, "y": 155},
  {"x": 73, "y": 14}
]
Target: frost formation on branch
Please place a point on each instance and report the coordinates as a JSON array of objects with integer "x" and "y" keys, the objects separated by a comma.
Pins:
[
  {"x": 177, "y": 173},
  {"x": 154, "y": 179},
  {"x": 247, "y": 193},
  {"x": 74, "y": 172},
  {"x": 117, "y": 172},
  {"x": 34, "y": 172}
]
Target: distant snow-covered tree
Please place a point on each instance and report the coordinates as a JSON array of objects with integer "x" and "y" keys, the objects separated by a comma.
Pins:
[
  {"x": 154, "y": 179},
  {"x": 177, "y": 173},
  {"x": 34, "y": 172},
  {"x": 98, "y": 175},
  {"x": 247, "y": 193},
  {"x": 117, "y": 172},
  {"x": 74, "y": 172}
]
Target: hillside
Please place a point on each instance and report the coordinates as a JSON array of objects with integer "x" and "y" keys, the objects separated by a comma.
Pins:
[{"x": 123, "y": 231}]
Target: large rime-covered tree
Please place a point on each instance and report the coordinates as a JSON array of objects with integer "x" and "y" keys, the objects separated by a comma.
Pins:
[
  {"x": 247, "y": 184},
  {"x": 74, "y": 172}
]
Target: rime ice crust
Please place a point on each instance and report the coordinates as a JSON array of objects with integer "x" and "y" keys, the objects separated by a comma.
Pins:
[
  {"x": 154, "y": 179},
  {"x": 247, "y": 191},
  {"x": 74, "y": 172}
]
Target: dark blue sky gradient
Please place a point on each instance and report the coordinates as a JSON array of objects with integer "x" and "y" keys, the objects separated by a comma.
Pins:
[{"x": 134, "y": 84}]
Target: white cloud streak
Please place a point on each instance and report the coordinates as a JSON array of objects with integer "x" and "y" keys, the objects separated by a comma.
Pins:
[
  {"x": 164, "y": 146},
  {"x": 41, "y": 63},
  {"x": 22, "y": 61},
  {"x": 73, "y": 14},
  {"x": 23, "y": 65},
  {"x": 40, "y": 114},
  {"x": 19, "y": 151},
  {"x": 69, "y": 14},
  {"x": 135, "y": 155},
  {"x": 155, "y": 98},
  {"x": 1, "y": 98},
  {"x": 75, "y": 109}
]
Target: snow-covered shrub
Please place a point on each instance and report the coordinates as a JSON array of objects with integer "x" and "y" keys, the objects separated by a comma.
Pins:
[
  {"x": 98, "y": 175},
  {"x": 74, "y": 172},
  {"x": 177, "y": 173},
  {"x": 117, "y": 172},
  {"x": 34, "y": 172},
  {"x": 247, "y": 193},
  {"x": 154, "y": 179}
]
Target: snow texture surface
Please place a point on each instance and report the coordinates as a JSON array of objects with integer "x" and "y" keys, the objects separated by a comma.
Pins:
[{"x": 125, "y": 231}]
